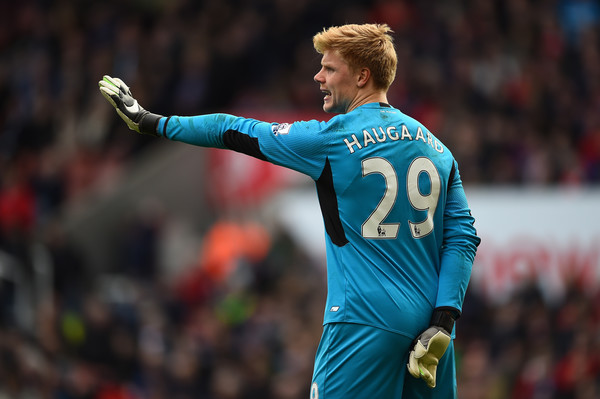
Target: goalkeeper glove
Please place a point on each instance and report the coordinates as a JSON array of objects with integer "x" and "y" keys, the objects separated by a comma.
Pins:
[
  {"x": 119, "y": 95},
  {"x": 431, "y": 345}
]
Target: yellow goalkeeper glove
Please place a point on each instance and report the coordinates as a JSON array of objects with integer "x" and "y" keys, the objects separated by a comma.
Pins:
[
  {"x": 119, "y": 95},
  {"x": 431, "y": 345}
]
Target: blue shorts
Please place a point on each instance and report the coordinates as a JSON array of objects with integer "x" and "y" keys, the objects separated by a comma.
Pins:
[{"x": 358, "y": 361}]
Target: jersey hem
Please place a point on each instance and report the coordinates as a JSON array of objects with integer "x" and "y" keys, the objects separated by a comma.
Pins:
[{"x": 362, "y": 323}]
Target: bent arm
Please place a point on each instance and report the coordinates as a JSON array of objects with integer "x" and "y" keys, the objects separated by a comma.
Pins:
[{"x": 459, "y": 248}]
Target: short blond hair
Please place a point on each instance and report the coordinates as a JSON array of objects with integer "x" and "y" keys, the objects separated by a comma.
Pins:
[{"x": 367, "y": 45}]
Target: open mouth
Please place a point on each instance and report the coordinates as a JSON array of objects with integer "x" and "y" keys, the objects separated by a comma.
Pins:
[{"x": 327, "y": 93}]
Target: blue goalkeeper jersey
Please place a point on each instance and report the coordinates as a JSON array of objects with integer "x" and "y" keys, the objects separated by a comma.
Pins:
[{"x": 399, "y": 235}]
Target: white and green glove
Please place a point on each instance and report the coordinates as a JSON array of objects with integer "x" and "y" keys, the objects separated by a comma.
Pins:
[
  {"x": 431, "y": 345},
  {"x": 119, "y": 95}
]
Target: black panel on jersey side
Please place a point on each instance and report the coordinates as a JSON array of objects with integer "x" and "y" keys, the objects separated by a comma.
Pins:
[
  {"x": 451, "y": 178},
  {"x": 329, "y": 207},
  {"x": 243, "y": 143}
]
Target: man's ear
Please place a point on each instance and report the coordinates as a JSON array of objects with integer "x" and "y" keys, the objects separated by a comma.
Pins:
[{"x": 364, "y": 74}]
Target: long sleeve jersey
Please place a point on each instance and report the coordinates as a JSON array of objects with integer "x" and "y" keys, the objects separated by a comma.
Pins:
[{"x": 399, "y": 234}]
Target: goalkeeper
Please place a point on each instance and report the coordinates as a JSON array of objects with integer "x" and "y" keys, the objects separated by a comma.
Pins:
[{"x": 399, "y": 234}]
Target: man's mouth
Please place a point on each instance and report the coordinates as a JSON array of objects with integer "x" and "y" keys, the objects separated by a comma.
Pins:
[{"x": 327, "y": 93}]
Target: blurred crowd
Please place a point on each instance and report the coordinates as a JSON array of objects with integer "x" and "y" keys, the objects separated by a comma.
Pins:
[
  {"x": 245, "y": 325},
  {"x": 512, "y": 87}
]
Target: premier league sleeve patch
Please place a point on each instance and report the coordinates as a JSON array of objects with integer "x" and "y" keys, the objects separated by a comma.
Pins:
[{"x": 281, "y": 128}]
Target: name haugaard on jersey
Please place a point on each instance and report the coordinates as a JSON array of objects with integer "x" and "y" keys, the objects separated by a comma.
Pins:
[{"x": 381, "y": 134}]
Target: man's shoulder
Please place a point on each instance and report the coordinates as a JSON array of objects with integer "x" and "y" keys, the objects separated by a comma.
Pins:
[{"x": 313, "y": 127}]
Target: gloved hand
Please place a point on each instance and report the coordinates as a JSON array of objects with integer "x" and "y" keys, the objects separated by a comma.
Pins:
[
  {"x": 430, "y": 346},
  {"x": 136, "y": 117}
]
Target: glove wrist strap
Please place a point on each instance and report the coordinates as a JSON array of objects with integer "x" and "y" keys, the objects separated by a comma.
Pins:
[
  {"x": 149, "y": 123},
  {"x": 444, "y": 318}
]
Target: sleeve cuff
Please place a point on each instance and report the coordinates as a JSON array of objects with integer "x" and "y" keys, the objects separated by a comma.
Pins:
[{"x": 444, "y": 317}]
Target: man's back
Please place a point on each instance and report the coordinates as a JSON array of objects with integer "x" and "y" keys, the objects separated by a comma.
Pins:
[{"x": 383, "y": 182}]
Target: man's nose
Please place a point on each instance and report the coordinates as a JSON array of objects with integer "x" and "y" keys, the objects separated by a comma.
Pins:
[{"x": 318, "y": 78}]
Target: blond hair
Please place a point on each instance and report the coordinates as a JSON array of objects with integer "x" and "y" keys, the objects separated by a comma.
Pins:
[{"x": 367, "y": 45}]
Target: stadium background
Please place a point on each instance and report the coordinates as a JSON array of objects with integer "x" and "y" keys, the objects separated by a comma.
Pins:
[{"x": 132, "y": 267}]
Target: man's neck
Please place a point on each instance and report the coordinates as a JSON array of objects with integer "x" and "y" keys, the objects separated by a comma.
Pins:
[{"x": 367, "y": 98}]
